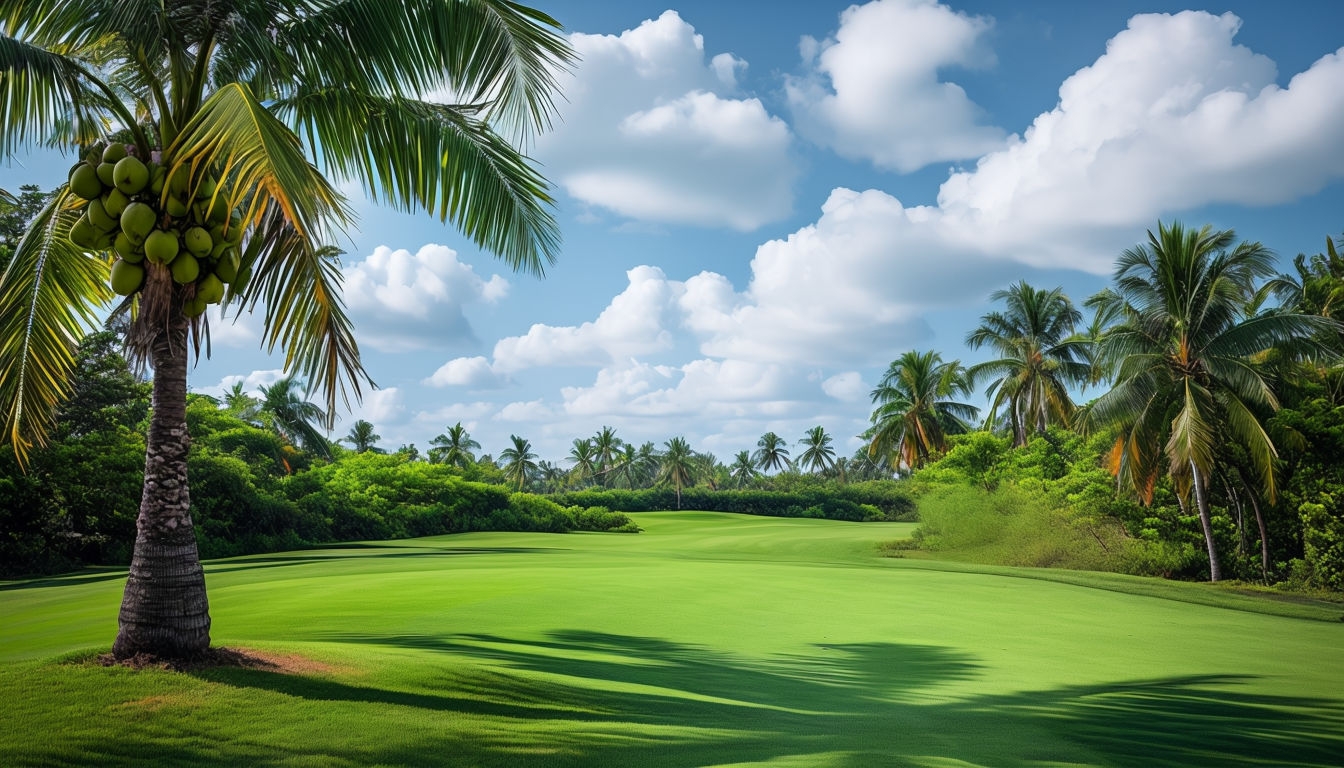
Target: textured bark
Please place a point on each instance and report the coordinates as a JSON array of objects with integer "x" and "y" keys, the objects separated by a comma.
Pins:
[
  {"x": 164, "y": 610},
  {"x": 1202, "y": 502}
]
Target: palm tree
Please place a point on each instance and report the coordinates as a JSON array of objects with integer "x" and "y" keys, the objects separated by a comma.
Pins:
[
  {"x": 772, "y": 452},
  {"x": 818, "y": 456},
  {"x": 585, "y": 459},
  {"x": 285, "y": 409},
  {"x": 1037, "y": 361},
  {"x": 254, "y": 95},
  {"x": 552, "y": 477},
  {"x": 646, "y": 465},
  {"x": 239, "y": 403},
  {"x": 743, "y": 469},
  {"x": 519, "y": 464},
  {"x": 679, "y": 465},
  {"x": 605, "y": 447},
  {"x": 1185, "y": 381},
  {"x": 362, "y": 437},
  {"x": 453, "y": 447},
  {"x": 914, "y": 411}
]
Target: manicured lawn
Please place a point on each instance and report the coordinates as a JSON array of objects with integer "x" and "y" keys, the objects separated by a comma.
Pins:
[{"x": 708, "y": 639}]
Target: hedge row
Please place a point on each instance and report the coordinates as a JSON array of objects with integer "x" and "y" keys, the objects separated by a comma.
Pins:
[{"x": 860, "y": 502}]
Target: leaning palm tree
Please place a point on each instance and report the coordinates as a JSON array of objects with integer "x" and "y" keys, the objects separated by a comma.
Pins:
[
  {"x": 914, "y": 411},
  {"x": 362, "y": 438},
  {"x": 679, "y": 465},
  {"x": 453, "y": 447},
  {"x": 818, "y": 455},
  {"x": 1037, "y": 360},
  {"x": 519, "y": 461},
  {"x": 1185, "y": 379},
  {"x": 772, "y": 453},
  {"x": 286, "y": 410},
  {"x": 237, "y": 102},
  {"x": 743, "y": 469}
]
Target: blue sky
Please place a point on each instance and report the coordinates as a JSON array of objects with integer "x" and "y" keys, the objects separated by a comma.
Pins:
[{"x": 763, "y": 203}]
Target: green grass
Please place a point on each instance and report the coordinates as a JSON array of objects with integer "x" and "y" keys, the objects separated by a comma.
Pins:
[{"x": 709, "y": 639}]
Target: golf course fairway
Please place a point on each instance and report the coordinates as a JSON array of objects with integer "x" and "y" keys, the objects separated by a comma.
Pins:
[{"x": 707, "y": 639}]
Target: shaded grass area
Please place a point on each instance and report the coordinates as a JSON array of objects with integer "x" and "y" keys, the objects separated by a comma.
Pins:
[{"x": 709, "y": 640}]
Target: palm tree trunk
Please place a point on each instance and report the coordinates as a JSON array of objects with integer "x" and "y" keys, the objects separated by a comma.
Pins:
[
  {"x": 164, "y": 610},
  {"x": 1202, "y": 502}
]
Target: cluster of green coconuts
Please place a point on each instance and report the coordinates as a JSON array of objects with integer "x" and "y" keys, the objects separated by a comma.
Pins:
[{"x": 195, "y": 236}]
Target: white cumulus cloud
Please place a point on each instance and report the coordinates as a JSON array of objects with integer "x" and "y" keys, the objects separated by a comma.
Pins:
[
  {"x": 652, "y": 131},
  {"x": 873, "y": 90},
  {"x": 403, "y": 301},
  {"x": 469, "y": 372}
]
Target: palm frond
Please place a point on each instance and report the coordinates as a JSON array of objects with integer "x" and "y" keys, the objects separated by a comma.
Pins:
[
  {"x": 49, "y": 98},
  {"x": 433, "y": 157},
  {"x": 49, "y": 297}
]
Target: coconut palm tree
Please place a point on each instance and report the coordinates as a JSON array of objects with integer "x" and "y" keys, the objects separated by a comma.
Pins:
[
  {"x": 818, "y": 455},
  {"x": 255, "y": 95},
  {"x": 914, "y": 411},
  {"x": 605, "y": 447},
  {"x": 743, "y": 469},
  {"x": 1037, "y": 359},
  {"x": 552, "y": 477},
  {"x": 362, "y": 437},
  {"x": 453, "y": 447},
  {"x": 239, "y": 403},
  {"x": 772, "y": 453},
  {"x": 679, "y": 465},
  {"x": 286, "y": 410},
  {"x": 1185, "y": 381},
  {"x": 519, "y": 461},
  {"x": 585, "y": 459}
]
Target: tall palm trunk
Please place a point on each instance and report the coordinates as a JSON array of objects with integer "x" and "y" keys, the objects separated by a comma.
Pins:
[
  {"x": 1202, "y": 502},
  {"x": 164, "y": 610}
]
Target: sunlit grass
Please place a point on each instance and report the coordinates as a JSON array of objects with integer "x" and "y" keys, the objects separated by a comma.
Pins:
[{"x": 709, "y": 639}]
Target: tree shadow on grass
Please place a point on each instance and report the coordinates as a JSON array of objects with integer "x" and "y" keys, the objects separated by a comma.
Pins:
[{"x": 586, "y": 698}]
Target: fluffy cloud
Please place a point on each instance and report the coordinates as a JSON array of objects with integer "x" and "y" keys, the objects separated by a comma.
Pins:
[
  {"x": 651, "y": 131},
  {"x": 1174, "y": 116},
  {"x": 402, "y": 301},
  {"x": 632, "y": 324},
  {"x": 233, "y": 327},
  {"x": 251, "y": 382},
  {"x": 703, "y": 388},
  {"x": 470, "y": 372},
  {"x": 873, "y": 91},
  {"x": 846, "y": 387}
]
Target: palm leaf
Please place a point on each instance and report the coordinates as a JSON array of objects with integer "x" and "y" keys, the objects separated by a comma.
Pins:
[
  {"x": 49, "y": 98},
  {"x": 49, "y": 297},
  {"x": 439, "y": 158}
]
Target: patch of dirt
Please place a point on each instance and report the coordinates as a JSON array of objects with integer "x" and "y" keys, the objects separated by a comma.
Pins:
[{"x": 245, "y": 658}]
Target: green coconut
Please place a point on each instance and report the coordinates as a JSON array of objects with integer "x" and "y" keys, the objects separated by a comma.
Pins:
[
  {"x": 127, "y": 250},
  {"x": 82, "y": 233},
  {"x": 198, "y": 241},
  {"x": 210, "y": 289},
  {"x": 99, "y": 217},
  {"x": 226, "y": 269},
  {"x": 185, "y": 268},
  {"x": 102, "y": 241},
  {"x": 127, "y": 277},
  {"x": 115, "y": 202},
  {"x": 84, "y": 182},
  {"x": 177, "y": 182},
  {"x": 106, "y": 172},
  {"x": 176, "y": 208},
  {"x": 206, "y": 189},
  {"x": 193, "y": 307},
  {"x": 137, "y": 221},
  {"x": 219, "y": 211},
  {"x": 158, "y": 176},
  {"x": 161, "y": 247},
  {"x": 130, "y": 175},
  {"x": 114, "y": 153}
]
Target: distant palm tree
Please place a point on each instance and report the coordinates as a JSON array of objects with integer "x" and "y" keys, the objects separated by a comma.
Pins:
[
  {"x": 743, "y": 469},
  {"x": 239, "y": 403},
  {"x": 1037, "y": 359},
  {"x": 585, "y": 459},
  {"x": 519, "y": 461},
  {"x": 605, "y": 447},
  {"x": 284, "y": 407},
  {"x": 818, "y": 455},
  {"x": 646, "y": 466},
  {"x": 552, "y": 477},
  {"x": 914, "y": 411},
  {"x": 362, "y": 437},
  {"x": 1185, "y": 382},
  {"x": 453, "y": 447},
  {"x": 772, "y": 452},
  {"x": 679, "y": 465}
]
